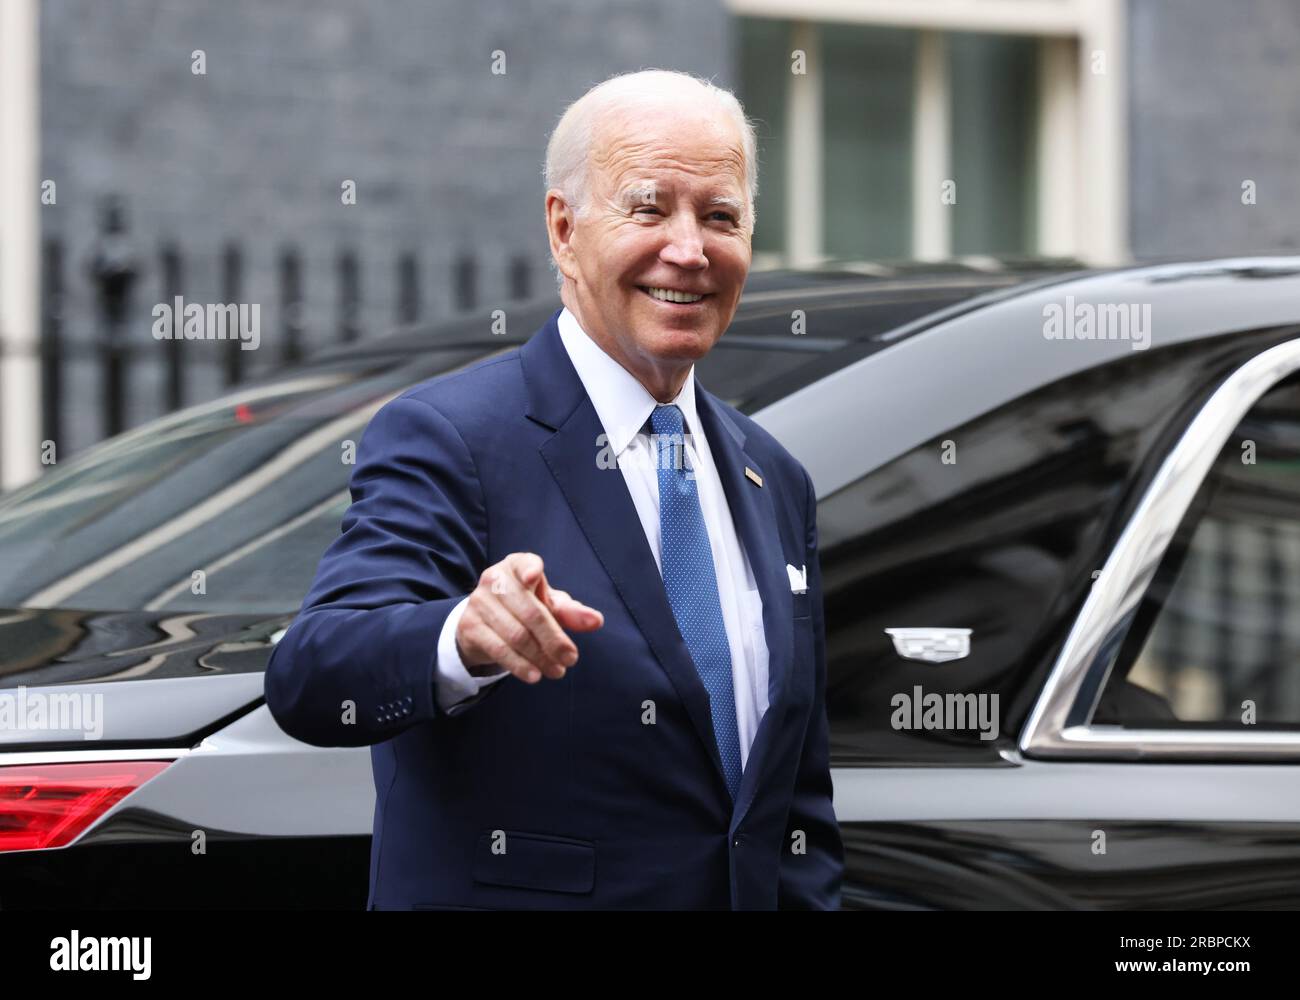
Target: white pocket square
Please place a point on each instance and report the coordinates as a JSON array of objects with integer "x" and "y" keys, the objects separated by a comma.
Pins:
[{"x": 798, "y": 578}]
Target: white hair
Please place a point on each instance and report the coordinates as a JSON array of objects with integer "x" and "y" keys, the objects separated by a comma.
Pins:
[{"x": 569, "y": 148}]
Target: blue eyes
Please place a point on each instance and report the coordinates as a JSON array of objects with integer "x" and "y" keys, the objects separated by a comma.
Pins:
[{"x": 726, "y": 215}]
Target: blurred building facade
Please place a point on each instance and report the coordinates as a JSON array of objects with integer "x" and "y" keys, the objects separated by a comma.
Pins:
[
  {"x": 231, "y": 181},
  {"x": 217, "y": 141}
]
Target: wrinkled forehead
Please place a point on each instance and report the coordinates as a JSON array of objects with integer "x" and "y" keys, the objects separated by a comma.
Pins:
[{"x": 636, "y": 150}]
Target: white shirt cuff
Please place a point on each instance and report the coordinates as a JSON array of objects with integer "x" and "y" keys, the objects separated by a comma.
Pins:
[{"x": 454, "y": 685}]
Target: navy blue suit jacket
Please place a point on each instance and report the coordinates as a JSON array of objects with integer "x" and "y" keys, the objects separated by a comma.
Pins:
[{"x": 561, "y": 794}]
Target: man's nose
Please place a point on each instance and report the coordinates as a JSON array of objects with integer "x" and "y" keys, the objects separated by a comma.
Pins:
[{"x": 685, "y": 246}]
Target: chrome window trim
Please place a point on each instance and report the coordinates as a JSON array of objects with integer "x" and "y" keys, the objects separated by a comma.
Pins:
[{"x": 1058, "y": 727}]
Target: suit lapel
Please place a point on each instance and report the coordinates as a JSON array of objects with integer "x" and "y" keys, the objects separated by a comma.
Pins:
[{"x": 603, "y": 506}]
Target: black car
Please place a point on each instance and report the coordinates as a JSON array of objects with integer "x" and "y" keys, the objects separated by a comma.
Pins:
[{"x": 1059, "y": 519}]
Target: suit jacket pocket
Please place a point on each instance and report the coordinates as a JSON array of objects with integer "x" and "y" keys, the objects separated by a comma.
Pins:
[
  {"x": 536, "y": 861},
  {"x": 802, "y": 605}
]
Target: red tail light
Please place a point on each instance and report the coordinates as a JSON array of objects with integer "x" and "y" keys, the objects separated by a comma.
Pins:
[{"x": 49, "y": 805}]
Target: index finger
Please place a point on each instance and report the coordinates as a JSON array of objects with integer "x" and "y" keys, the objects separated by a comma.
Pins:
[{"x": 535, "y": 615}]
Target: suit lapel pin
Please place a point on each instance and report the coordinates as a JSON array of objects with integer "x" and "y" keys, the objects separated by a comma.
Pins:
[{"x": 753, "y": 477}]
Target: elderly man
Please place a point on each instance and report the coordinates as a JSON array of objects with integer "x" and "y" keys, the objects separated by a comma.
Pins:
[{"x": 575, "y": 607}]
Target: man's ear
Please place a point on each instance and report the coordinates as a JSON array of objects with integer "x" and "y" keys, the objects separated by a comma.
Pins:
[{"x": 559, "y": 230}]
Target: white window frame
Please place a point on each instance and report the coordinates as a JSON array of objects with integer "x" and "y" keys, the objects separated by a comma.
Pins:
[
  {"x": 1082, "y": 153},
  {"x": 20, "y": 397}
]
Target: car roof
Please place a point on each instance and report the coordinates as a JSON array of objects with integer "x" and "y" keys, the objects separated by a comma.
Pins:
[
  {"x": 895, "y": 292},
  {"x": 941, "y": 371},
  {"x": 845, "y": 311}
]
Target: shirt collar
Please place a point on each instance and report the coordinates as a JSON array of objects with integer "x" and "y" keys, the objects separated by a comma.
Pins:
[{"x": 621, "y": 402}]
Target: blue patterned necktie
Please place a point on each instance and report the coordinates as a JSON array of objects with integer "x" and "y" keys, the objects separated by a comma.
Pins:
[{"x": 692, "y": 585}]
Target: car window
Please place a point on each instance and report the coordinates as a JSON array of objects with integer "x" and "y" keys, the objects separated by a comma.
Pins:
[
  {"x": 996, "y": 526},
  {"x": 1216, "y": 639},
  {"x": 250, "y": 489}
]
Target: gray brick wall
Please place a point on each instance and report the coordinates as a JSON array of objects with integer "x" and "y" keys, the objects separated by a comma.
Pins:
[
  {"x": 299, "y": 95},
  {"x": 1214, "y": 100}
]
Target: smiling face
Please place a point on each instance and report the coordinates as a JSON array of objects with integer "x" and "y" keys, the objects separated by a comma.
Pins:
[{"x": 666, "y": 222}]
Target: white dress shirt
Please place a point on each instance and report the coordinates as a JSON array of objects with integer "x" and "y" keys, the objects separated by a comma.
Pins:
[{"x": 624, "y": 406}]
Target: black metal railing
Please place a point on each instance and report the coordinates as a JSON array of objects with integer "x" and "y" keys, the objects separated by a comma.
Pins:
[{"x": 116, "y": 270}]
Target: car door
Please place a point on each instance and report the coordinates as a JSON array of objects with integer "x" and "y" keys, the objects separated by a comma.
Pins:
[
  {"x": 994, "y": 534},
  {"x": 1182, "y": 673}
]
